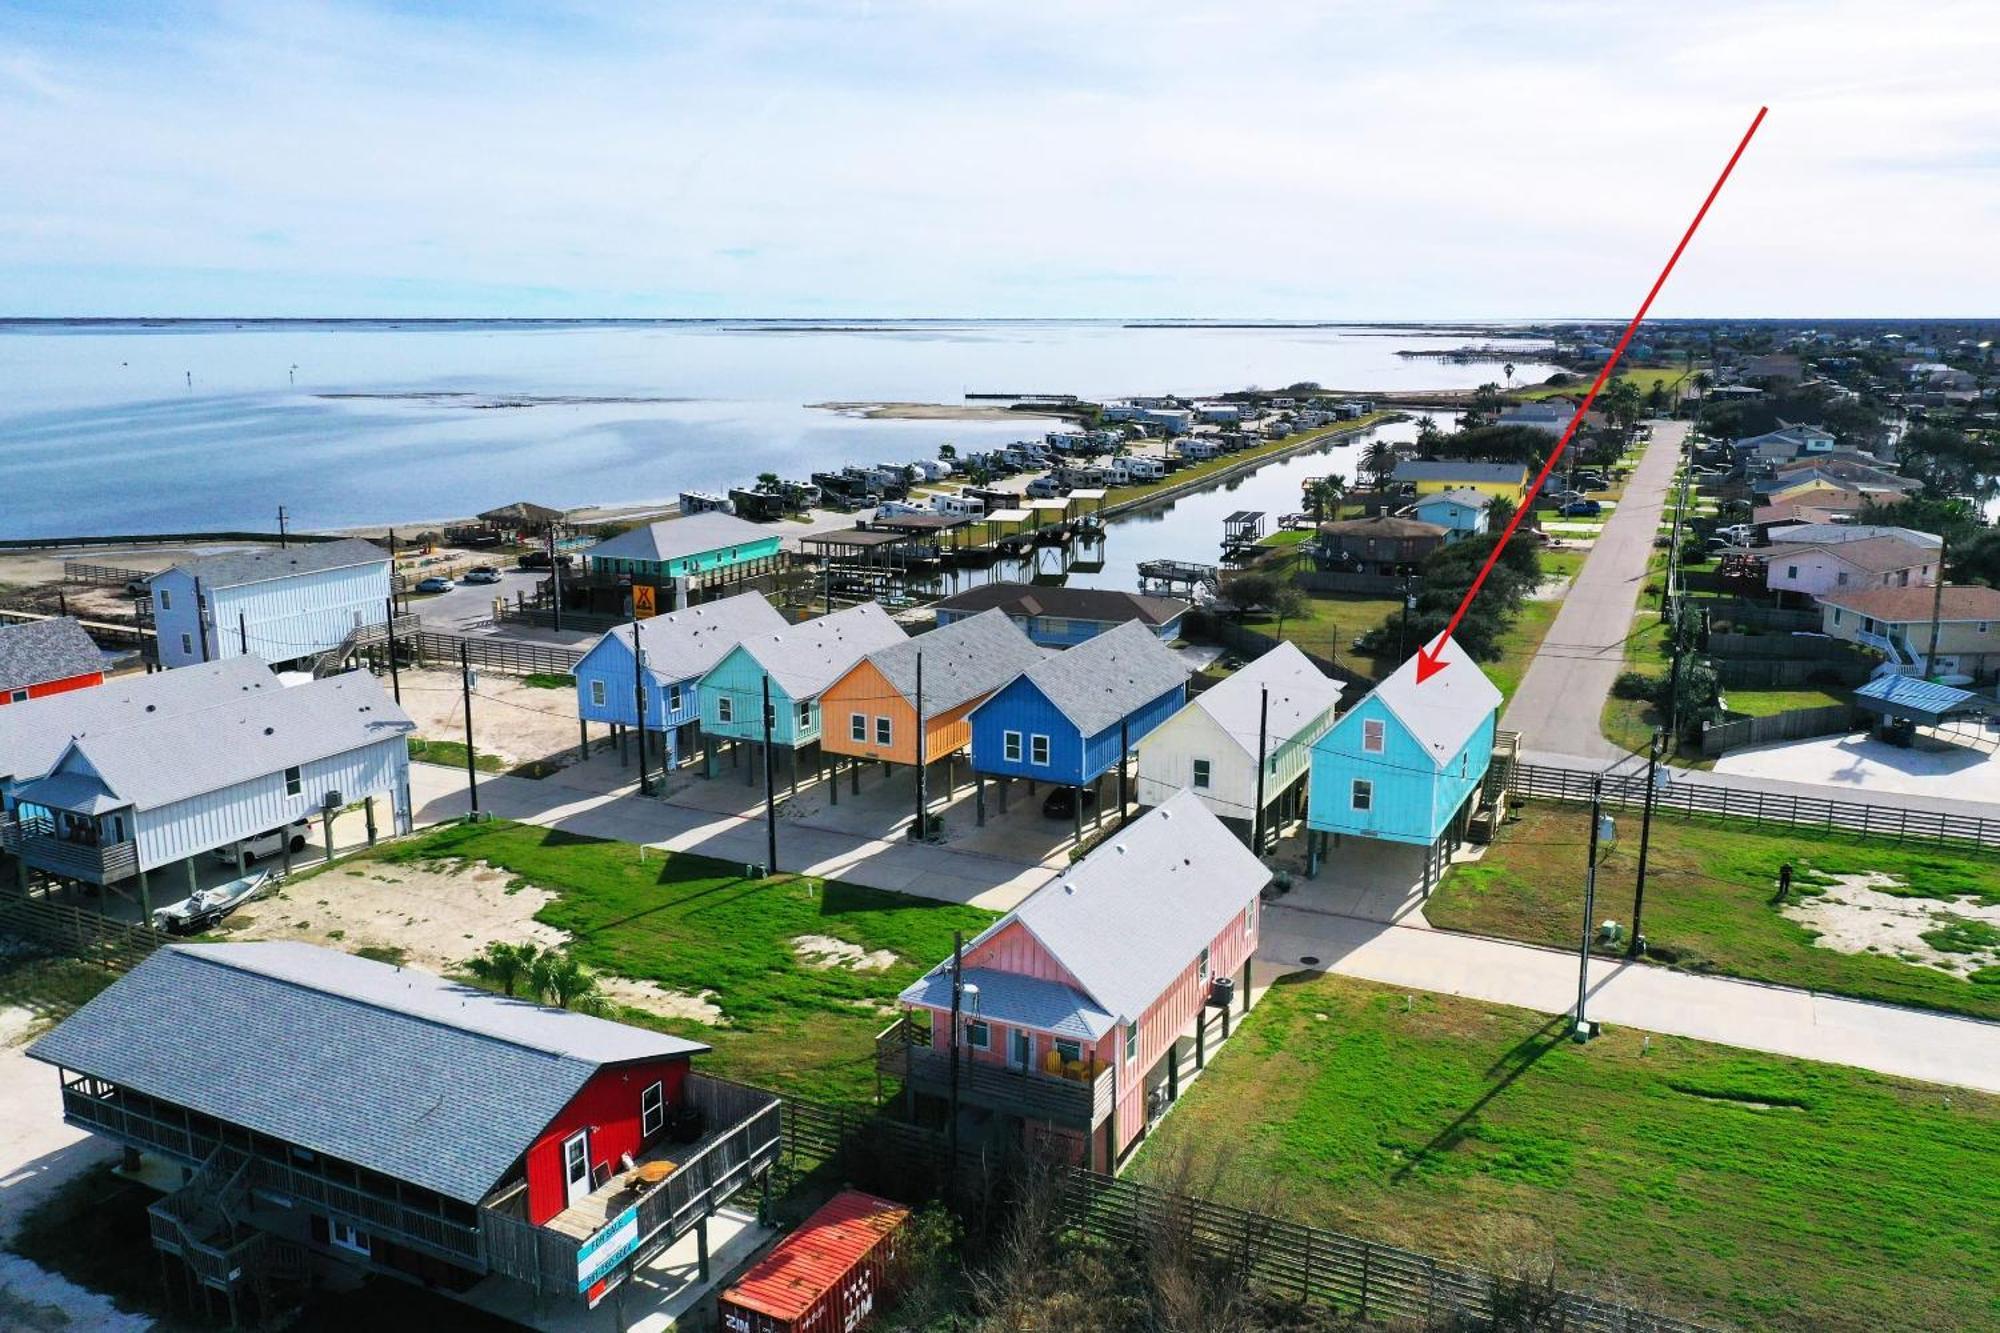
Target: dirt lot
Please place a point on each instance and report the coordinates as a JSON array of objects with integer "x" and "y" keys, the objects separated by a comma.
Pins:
[
  {"x": 512, "y": 721},
  {"x": 1853, "y": 915}
]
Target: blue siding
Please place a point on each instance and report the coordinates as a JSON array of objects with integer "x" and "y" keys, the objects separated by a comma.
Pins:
[
  {"x": 610, "y": 664},
  {"x": 740, "y": 679},
  {"x": 1412, "y": 799},
  {"x": 1062, "y": 631},
  {"x": 1074, "y": 760}
]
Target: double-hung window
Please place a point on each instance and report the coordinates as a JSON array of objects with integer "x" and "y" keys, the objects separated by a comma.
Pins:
[
  {"x": 597, "y": 694},
  {"x": 885, "y": 731},
  {"x": 1363, "y": 795},
  {"x": 1132, "y": 1043},
  {"x": 292, "y": 782},
  {"x": 342, "y": 1236},
  {"x": 166, "y": 599},
  {"x": 857, "y": 727},
  {"x": 1010, "y": 746},
  {"x": 1202, "y": 771},
  {"x": 1374, "y": 736},
  {"x": 725, "y": 708},
  {"x": 978, "y": 1035},
  {"x": 805, "y": 714},
  {"x": 1038, "y": 750},
  {"x": 652, "y": 1110},
  {"x": 673, "y": 698}
]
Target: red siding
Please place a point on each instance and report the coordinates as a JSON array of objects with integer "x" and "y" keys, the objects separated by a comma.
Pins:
[
  {"x": 608, "y": 1106},
  {"x": 48, "y": 687}
]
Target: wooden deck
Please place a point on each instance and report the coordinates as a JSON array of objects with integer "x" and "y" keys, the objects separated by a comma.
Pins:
[{"x": 587, "y": 1216}]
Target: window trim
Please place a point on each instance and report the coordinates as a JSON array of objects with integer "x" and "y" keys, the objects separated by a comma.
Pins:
[
  {"x": 674, "y": 698},
  {"x": 1202, "y": 776},
  {"x": 1361, "y": 796},
  {"x": 597, "y": 695},
  {"x": 805, "y": 713},
  {"x": 294, "y": 781},
  {"x": 1376, "y": 730},
  {"x": 1039, "y": 750},
  {"x": 885, "y": 730},
  {"x": 1010, "y": 746},
  {"x": 978, "y": 1034},
  {"x": 166, "y": 598},
  {"x": 1132, "y": 1042},
  {"x": 652, "y": 1109},
  {"x": 1201, "y": 967},
  {"x": 355, "y": 1241},
  {"x": 725, "y": 708}
]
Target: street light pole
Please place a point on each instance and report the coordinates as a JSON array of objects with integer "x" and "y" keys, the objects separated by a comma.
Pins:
[{"x": 1637, "y": 944}]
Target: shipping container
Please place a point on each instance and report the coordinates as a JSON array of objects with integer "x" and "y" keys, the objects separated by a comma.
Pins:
[{"x": 829, "y": 1276}]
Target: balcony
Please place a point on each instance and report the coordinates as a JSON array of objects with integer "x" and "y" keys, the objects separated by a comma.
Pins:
[
  {"x": 1077, "y": 1103},
  {"x": 37, "y": 842}
]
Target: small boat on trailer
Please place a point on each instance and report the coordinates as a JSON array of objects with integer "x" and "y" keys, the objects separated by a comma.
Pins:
[{"x": 205, "y": 907}]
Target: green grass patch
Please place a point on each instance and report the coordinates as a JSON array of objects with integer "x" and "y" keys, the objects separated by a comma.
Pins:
[
  {"x": 549, "y": 680},
  {"x": 1643, "y": 378},
  {"x": 1764, "y": 1192},
  {"x": 1765, "y": 703},
  {"x": 692, "y": 925},
  {"x": 1963, "y": 935},
  {"x": 1117, "y": 495},
  {"x": 451, "y": 754},
  {"x": 1289, "y": 537},
  {"x": 1709, "y": 899}
]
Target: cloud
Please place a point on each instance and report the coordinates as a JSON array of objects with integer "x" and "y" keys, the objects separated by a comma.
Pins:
[{"x": 1284, "y": 159}]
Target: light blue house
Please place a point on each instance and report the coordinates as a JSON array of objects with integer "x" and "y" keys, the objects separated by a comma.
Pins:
[
  {"x": 799, "y": 662},
  {"x": 1405, "y": 763},
  {"x": 282, "y": 604},
  {"x": 1461, "y": 512},
  {"x": 1069, "y": 719},
  {"x": 1060, "y": 617},
  {"x": 676, "y": 651}
]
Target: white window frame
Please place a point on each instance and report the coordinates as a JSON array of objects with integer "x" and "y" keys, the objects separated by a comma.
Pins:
[
  {"x": 885, "y": 730},
  {"x": 1069, "y": 1052},
  {"x": 1010, "y": 746},
  {"x": 1132, "y": 1043},
  {"x": 1204, "y": 775},
  {"x": 978, "y": 1034},
  {"x": 294, "y": 781},
  {"x": 17, "y": 696},
  {"x": 597, "y": 694},
  {"x": 1201, "y": 968},
  {"x": 345, "y": 1236},
  {"x": 673, "y": 698},
  {"x": 166, "y": 598},
  {"x": 652, "y": 1109},
  {"x": 1361, "y": 796},
  {"x": 725, "y": 708},
  {"x": 857, "y": 728},
  {"x": 1038, "y": 750},
  {"x": 805, "y": 713},
  {"x": 1374, "y": 735},
  {"x": 187, "y": 644},
  {"x": 1250, "y": 917}
]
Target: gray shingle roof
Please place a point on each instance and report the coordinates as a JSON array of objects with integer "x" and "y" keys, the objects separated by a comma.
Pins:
[
  {"x": 1299, "y": 694},
  {"x": 165, "y": 759},
  {"x": 35, "y": 732},
  {"x": 684, "y": 644},
  {"x": 1128, "y": 918},
  {"x": 962, "y": 661},
  {"x": 35, "y": 652},
  {"x": 1007, "y": 997},
  {"x": 671, "y": 539},
  {"x": 805, "y": 658},
  {"x": 1103, "y": 604},
  {"x": 1108, "y": 676},
  {"x": 395, "y": 1070},
  {"x": 234, "y": 568}
]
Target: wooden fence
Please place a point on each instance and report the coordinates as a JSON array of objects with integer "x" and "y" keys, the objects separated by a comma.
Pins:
[
  {"x": 1791, "y": 725},
  {"x": 1723, "y": 644},
  {"x": 78, "y": 932},
  {"x": 1787, "y": 673},
  {"x": 1362, "y": 1278},
  {"x": 1373, "y": 585},
  {"x": 507, "y": 656},
  {"x": 1712, "y": 801},
  {"x": 102, "y": 576},
  {"x": 1754, "y": 615}
]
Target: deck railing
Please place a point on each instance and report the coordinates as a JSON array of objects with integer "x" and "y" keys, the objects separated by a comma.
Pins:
[
  {"x": 1082, "y": 1103},
  {"x": 36, "y": 842}
]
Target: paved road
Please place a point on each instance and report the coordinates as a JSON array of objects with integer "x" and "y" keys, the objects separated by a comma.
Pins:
[{"x": 1561, "y": 698}]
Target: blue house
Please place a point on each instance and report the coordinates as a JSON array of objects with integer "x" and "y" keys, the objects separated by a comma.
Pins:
[
  {"x": 677, "y": 651},
  {"x": 1069, "y": 719},
  {"x": 1061, "y": 617},
  {"x": 1461, "y": 512},
  {"x": 1404, "y": 764}
]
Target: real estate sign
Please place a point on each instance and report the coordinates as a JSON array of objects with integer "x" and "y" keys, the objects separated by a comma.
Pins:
[{"x": 604, "y": 1251}]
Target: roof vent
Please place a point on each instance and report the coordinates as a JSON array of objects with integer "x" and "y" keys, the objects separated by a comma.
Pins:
[
  {"x": 1068, "y": 887},
  {"x": 269, "y": 730},
  {"x": 151, "y": 707}
]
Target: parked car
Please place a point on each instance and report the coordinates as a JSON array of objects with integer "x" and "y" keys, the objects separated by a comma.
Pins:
[
  {"x": 1044, "y": 488},
  {"x": 481, "y": 574},
  {"x": 1061, "y": 802},
  {"x": 436, "y": 583},
  {"x": 1582, "y": 509},
  {"x": 1589, "y": 481},
  {"x": 298, "y": 833},
  {"x": 540, "y": 560},
  {"x": 1740, "y": 533}
]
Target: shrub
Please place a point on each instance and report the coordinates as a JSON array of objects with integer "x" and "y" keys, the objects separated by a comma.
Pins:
[{"x": 1636, "y": 685}]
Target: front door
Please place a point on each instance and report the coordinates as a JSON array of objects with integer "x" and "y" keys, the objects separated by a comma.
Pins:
[
  {"x": 1017, "y": 1049},
  {"x": 576, "y": 1165}
]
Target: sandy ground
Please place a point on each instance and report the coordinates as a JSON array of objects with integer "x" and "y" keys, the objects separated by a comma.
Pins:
[
  {"x": 1853, "y": 915},
  {"x": 514, "y": 721},
  {"x": 824, "y": 951}
]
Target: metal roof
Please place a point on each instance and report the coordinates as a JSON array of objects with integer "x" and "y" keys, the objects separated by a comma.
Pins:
[
  {"x": 395, "y": 1070},
  {"x": 1444, "y": 711},
  {"x": 1299, "y": 696},
  {"x": 164, "y": 759},
  {"x": 1108, "y": 676},
  {"x": 1513, "y": 473},
  {"x": 1100, "y": 604},
  {"x": 35, "y": 652},
  {"x": 684, "y": 644},
  {"x": 805, "y": 658},
  {"x": 234, "y": 568},
  {"x": 1461, "y": 495},
  {"x": 674, "y": 539},
  {"x": 1920, "y": 700},
  {"x": 962, "y": 661},
  {"x": 1011, "y": 997},
  {"x": 35, "y": 732}
]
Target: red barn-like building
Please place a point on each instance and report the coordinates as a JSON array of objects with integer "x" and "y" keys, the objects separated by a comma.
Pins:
[{"x": 43, "y": 657}]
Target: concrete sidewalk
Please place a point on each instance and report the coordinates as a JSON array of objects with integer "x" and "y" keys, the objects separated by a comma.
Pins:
[
  {"x": 1908, "y": 1043},
  {"x": 944, "y": 873}
]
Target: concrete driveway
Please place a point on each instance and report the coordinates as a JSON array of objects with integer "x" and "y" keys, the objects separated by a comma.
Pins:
[
  {"x": 1561, "y": 697},
  {"x": 1858, "y": 767}
]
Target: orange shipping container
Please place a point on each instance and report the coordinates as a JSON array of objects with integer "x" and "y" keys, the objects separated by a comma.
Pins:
[{"x": 829, "y": 1276}]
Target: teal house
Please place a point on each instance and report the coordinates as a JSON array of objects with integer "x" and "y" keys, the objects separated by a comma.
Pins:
[
  {"x": 1405, "y": 764},
  {"x": 799, "y": 661},
  {"x": 684, "y": 547}
]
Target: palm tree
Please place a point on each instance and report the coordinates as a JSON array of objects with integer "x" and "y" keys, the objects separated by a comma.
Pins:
[
  {"x": 1508, "y": 367},
  {"x": 947, "y": 451},
  {"x": 566, "y": 983},
  {"x": 505, "y": 965},
  {"x": 1324, "y": 494},
  {"x": 1379, "y": 462}
]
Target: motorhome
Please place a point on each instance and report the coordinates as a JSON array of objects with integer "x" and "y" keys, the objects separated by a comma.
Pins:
[
  {"x": 704, "y": 502},
  {"x": 958, "y": 506}
]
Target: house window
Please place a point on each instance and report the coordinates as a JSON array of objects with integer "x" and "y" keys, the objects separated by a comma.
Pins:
[
  {"x": 806, "y": 714},
  {"x": 1038, "y": 750},
  {"x": 187, "y": 644},
  {"x": 1069, "y": 1052},
  {"x": 857, "y": 727},
  {"x": 770, "y": 717},
  {"x": 652, "y": 1110},
  {"x": 1836, "y": 615},
  {"x": 1792, "y": 571},
  {"x": 17, "y": 696},
  {"x": 673, "y": 698},
  {"x": 342, "y": 1236},
  {"x": 1839, "y": 580},
  {"x": 1363, "y": 797},
  {"x": 1250, "y": 918},
  {"x": 977, "y": 1034},
  {"x": 166, "y": 599},
  {"x": 1010, "y": 746},
  {"x": 1131, "y": 1043},
  {"x": 1201, "y": 772},
  {"x": 725, "y": 709},
  {"x": 597, "y": 694},
  {"x": 884, "y": 731},
  {"x": 292, "y": 782},
  {"x": 1201, "y": 970},
  {"x": 1374, "y": 736}
]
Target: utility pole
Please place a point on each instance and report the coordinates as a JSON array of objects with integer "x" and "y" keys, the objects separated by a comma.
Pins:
[
  {"x": 1263, "y": 729},
  {"x": 201, "y": 618},
  {"x": 639, "y": 702},
  {"x": 392, "y": 574},
  {"x": 1937, "y": 609},
  {"x": 555, "y": 585},
  {"x": 465, "y": 684},
  {"x": 243, "y": 633},
  {"x": 1580, "y": 1030},
  {"x": 395, "y": 671},
  {"x": 1124, "y": 771},
  {"x": 957, "y": 994},
  {"x": 1633, "y": 949},
  {"x": 770, "y": 788},
  {"x": 922, "y": 833},
  {"x": 283, "y": 542}
]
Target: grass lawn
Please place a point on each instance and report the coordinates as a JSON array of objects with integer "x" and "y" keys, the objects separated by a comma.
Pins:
[
  {"x": 692, "y": 925},
  {"x": 1773, "y": 1193},
  {"x": 1643, "y": 378},
  {"x": 1331, "y": 622},
  {"x": 1118, "y": 495},
  {"x": 1763, "y": 703},
  {"x": 451, "y": 754},
  {"x": 1708, "y": 899},
  {"x": 1630, "y": 723},
  {"x": 1289, "y": 537}
]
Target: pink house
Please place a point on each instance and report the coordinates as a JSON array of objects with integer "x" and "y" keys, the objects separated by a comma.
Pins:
[
  {"x": 1872, "y": 562},
  {"x": 1071, "y": 1004}
]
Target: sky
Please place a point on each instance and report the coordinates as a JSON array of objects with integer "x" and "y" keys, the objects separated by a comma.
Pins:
[{"x": 1114, "y": 158}]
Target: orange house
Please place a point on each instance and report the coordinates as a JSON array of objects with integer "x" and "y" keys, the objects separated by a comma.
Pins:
[{"x": 871, "y": 712}]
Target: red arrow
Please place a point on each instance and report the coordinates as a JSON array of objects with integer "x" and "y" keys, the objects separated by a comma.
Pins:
[{"x": 1428, "y": 661}]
